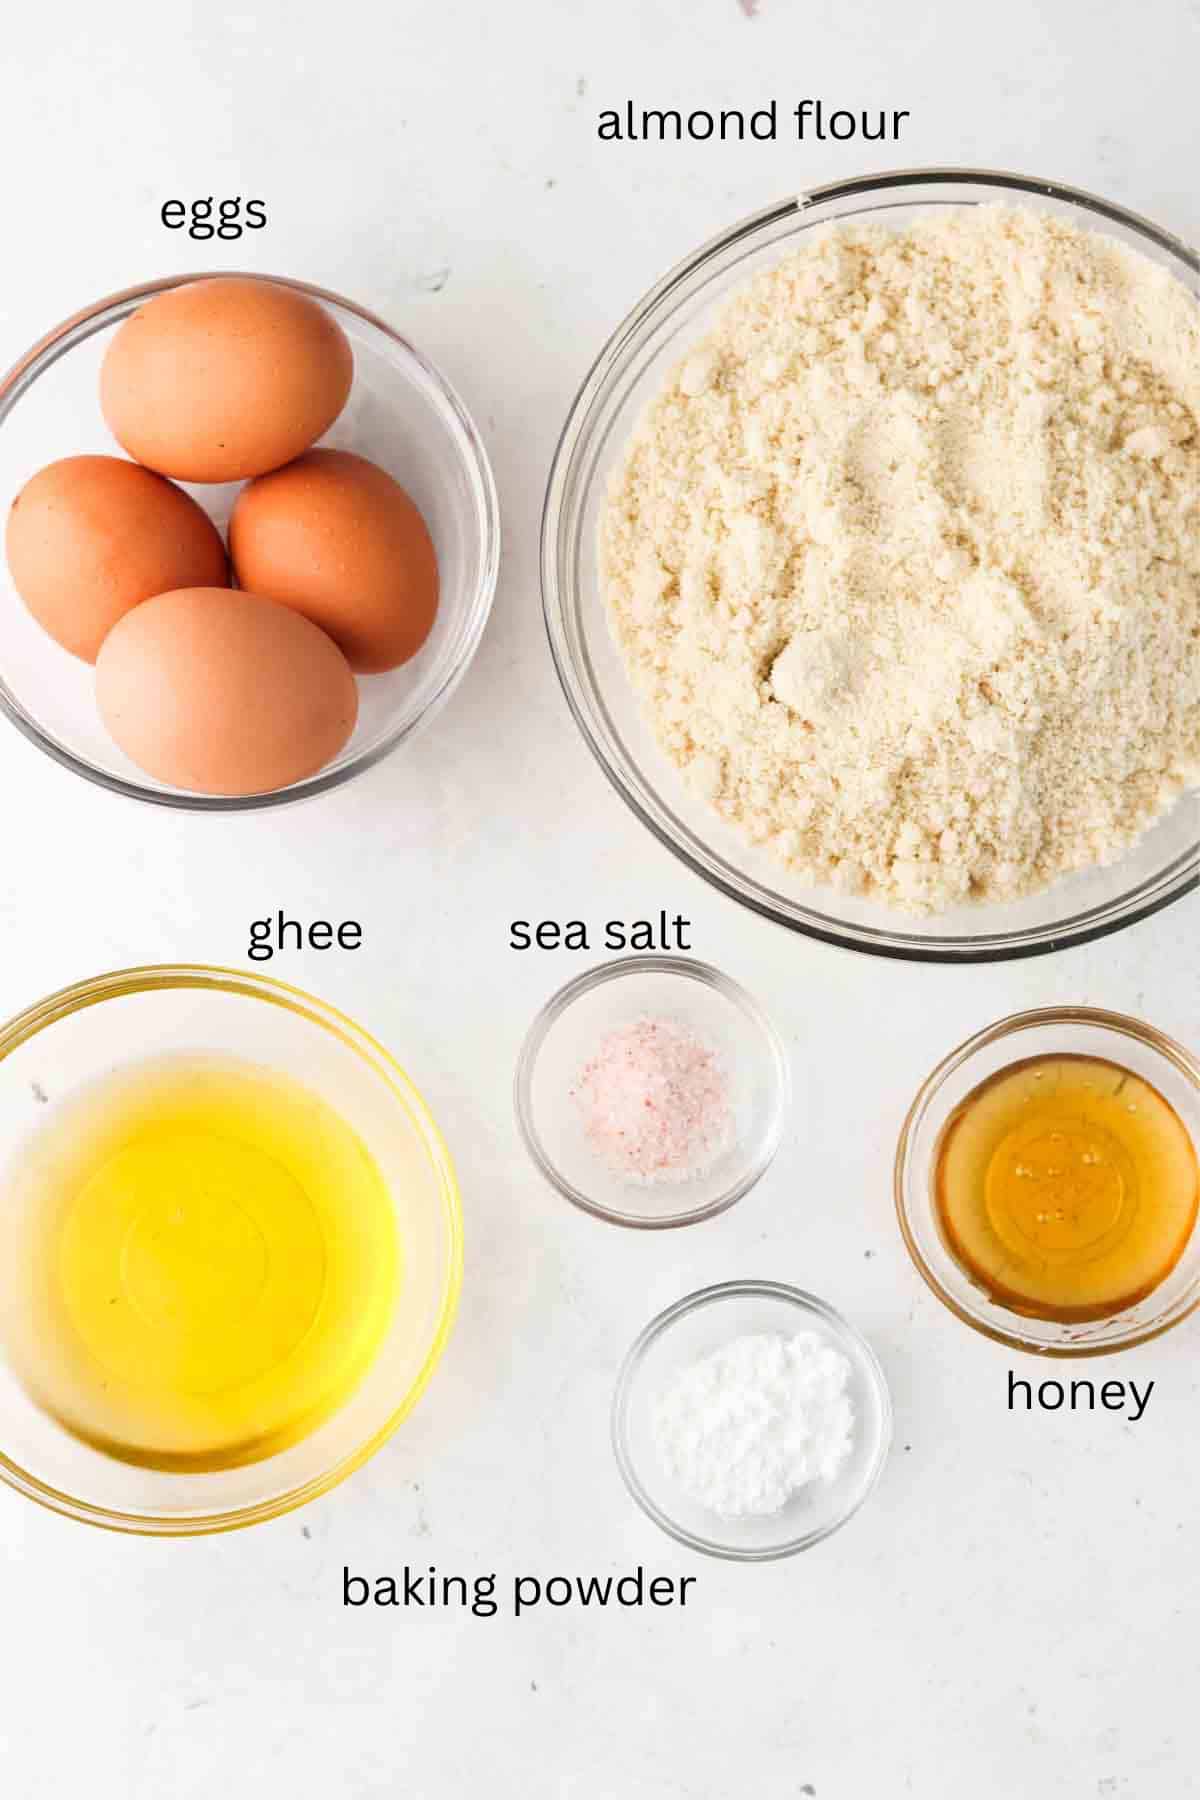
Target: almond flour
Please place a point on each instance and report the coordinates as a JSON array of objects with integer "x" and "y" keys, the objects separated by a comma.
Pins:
[{"x": 905, "y": 557}]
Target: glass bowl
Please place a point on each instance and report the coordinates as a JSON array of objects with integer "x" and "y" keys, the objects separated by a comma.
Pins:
[
  {"x": 401, "y": 413},
  {"x": 72, "y": 1038},
  {"x": 565, "y": 1035},
  {"x": 696, "y": 1326},
  {"x": 626, "y": 376},
  {"x": 1055, "y": 1030}
]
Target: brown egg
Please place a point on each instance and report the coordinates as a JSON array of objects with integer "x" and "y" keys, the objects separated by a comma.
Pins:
[
  {"x": 90, "y": 537},
  {"x": 222, "y": 692},
  {"x": 222, "y": 379},
  {"x": 335, "y": 537}
]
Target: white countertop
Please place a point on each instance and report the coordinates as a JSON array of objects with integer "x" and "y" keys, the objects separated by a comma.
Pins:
[{"x": 1013, "y": 1613}]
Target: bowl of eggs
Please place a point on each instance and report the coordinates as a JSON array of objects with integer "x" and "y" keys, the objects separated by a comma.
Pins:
[{"x": 251, "y": 541}]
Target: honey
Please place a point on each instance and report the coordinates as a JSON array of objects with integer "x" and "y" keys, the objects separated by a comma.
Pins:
[
  {"x": 1066, "y": 1187},
  {"x": 202, "y": 1263}
]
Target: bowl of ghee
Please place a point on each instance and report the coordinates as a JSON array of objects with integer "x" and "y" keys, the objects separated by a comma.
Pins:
[
  {"x": 1048, "y": 1185},
  {"x": 232, "y": 1249}
]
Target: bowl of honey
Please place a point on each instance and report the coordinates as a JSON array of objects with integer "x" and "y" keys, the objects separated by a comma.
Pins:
[
  {"x": 1047, "y": 1181},
  {"x": 232, "y": 1249}
]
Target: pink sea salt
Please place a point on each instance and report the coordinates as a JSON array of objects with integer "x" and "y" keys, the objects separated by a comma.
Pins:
[{"x": 654, "y": 1102}]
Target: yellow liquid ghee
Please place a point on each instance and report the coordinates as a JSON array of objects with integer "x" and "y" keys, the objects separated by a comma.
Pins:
[{"x": 205, "y": 1263}]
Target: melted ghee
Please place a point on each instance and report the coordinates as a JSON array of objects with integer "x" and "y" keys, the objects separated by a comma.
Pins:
[
  {"x": 206, "y": 1263},
  {"x": 1066, "y": 1187}
]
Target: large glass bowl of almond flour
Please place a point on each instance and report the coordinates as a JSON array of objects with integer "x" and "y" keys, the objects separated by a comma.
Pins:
[{"x": 871, "y": 564}]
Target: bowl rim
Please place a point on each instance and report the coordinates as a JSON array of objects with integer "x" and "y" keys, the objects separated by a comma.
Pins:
[
  {"x": 474, "y": 460},
  {"x": 687, "y": 968},
  {"x": 148, "y": 978},
  {"x": 809, "y": 1305},
  {"x": 1097, "y": 920},
  {"x": 903, "y": 1175}
]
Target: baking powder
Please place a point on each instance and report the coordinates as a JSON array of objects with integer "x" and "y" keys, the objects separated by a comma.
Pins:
[{"x": 747, "y": 1426}]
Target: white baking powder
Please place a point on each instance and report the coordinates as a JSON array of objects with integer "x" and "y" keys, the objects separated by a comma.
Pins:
[{"x": 745, "y": 1427}]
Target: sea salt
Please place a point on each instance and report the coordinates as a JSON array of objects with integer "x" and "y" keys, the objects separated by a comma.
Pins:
[
  {"x": 654, "y": 1102},
  {"x": 747, "y": 1426}
]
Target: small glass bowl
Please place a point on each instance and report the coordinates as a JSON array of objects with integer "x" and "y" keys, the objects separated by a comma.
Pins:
[
  {"x": 695, "y": 1327},
  {"x": 401, "y": 413},
  {"x": 624, "y": 379},
  {"x": 1049, "y": 1031},
  {"x": 565, "y": 1035},
  {"x": 69, "y": 1040}
]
